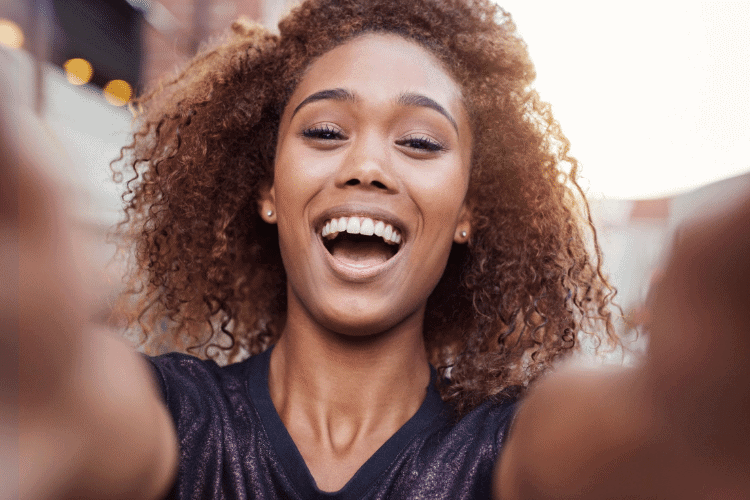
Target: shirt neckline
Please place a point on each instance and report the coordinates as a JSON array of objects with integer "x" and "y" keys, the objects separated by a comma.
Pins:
[{"x": 291, "y": 459}]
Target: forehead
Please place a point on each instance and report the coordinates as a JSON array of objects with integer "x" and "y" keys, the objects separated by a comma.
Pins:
[{"x": 379, "y": 67}]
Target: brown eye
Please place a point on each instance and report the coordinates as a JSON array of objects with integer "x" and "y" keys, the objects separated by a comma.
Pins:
[
  {"x": 324, "y": 132},
  {"x": 421, "y": 142}
]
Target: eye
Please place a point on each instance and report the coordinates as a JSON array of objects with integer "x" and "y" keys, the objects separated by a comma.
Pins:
[
  {"x": 324, "y": 132},
  {"x": 421, "y": 142}
]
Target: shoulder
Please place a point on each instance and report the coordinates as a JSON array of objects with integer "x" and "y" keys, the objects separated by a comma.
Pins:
[
  {"x": 486, "y": 425},
  {"x": 218, "y": 425},
  {"x": 200, "y": 391},
  {"x": 178, "y": 372},
  {"x": 455, "y": 458},
  {"x": 478, "y": 437}
]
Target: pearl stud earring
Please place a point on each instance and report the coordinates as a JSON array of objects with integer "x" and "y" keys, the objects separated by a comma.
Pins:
[
  {"x": 269, "y": 213},
  {"x": 463, "y": 234}
]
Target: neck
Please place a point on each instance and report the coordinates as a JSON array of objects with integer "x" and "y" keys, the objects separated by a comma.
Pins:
[{"x": 341, "y": 389}]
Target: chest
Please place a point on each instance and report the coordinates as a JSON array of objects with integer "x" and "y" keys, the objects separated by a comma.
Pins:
[{"x": 252, "y": 460}]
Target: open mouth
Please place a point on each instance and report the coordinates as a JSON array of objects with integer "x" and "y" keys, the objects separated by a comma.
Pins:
[{"x": 361, "y": 241}]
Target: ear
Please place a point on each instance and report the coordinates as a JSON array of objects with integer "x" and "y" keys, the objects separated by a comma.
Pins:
[
  {"x": 267, "y": 205},
  {"x": 463, "y": 228}
]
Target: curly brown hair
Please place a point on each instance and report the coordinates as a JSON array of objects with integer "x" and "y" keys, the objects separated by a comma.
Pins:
[{"x": 208, "y": 275}]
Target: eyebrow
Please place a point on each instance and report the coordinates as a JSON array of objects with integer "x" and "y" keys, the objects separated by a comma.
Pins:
[
  {"x": 419, "y": 100},
  {"x": 404, "y": 99},
  {"x": 333, "y": 94}
]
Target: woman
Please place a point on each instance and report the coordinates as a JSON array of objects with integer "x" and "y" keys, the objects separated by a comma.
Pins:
[{"x": 374, "y": 191}]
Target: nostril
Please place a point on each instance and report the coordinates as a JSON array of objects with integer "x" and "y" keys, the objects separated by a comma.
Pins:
[{"x": 374, "y": 183}]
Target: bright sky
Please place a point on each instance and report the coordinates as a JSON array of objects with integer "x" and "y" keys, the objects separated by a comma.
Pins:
[{"x": 654, "y": 96}]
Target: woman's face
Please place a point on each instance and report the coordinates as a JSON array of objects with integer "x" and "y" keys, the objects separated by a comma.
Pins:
[{"x": 376, "y": 138}]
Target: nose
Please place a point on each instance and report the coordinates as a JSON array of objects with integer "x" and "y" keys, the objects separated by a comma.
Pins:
[{"x": 369, "y": 166}]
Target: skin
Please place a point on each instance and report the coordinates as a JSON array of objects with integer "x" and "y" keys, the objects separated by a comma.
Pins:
[
  {"x": 674, "y": 427},
  {"x": 392, "y": 142},
  {"x": 90, "y": 420}
]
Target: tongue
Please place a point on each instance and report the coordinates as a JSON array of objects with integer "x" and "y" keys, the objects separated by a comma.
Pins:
[{"x": 361, "y": 254}]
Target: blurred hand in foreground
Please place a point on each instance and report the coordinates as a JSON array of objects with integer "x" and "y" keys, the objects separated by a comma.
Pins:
[
  {"x": 89, "y": 419},
  {"x": 675, "y": 427}
]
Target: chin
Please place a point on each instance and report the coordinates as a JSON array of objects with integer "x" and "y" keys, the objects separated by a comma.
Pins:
[{"x": 369, "y": 324}]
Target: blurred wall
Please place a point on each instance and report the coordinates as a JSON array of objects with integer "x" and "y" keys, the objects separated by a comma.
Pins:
[{"x": 176, "y": 29}]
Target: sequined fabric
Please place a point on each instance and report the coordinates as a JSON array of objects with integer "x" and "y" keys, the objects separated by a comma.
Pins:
[{"x": 234, "y": 446}]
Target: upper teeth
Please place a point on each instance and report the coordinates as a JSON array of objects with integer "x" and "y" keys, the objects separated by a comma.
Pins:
[{"x": 361, "y": 225}]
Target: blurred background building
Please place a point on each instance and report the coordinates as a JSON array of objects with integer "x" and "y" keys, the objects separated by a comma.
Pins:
[
  {"x": 130, "y": 40},
  {"x": 76, "y": 63}
]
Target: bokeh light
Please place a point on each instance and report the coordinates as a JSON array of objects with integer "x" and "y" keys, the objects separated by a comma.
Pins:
[
  {"x": 78, "y": 71},
  {"x": 11, "y": 34},
  {"x": 118, "y": 92}
]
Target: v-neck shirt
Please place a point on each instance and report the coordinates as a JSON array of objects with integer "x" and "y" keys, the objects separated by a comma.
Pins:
[{"x": 233, "y": 444}]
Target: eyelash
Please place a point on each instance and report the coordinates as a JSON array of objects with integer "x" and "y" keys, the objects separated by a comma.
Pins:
[
  {"x": 324, "y": 132},
  {"x": 328, "y": 132},
  {"x": 421, "y": 142}
]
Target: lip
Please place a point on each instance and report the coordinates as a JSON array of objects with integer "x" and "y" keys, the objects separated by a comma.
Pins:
[{"x": 350, "y": 272}]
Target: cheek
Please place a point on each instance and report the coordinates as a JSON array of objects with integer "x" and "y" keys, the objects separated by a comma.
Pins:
[
  {"x": 296, "y": 178},
  {"x": 441, "y": 194}
]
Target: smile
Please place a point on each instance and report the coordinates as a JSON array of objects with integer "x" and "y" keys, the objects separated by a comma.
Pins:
[
  {"x": 361, "y": 225},
  {"x": 360, "y": 247}
]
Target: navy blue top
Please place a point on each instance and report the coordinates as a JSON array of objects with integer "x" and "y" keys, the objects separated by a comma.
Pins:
[{"x": 233, "y": 444}]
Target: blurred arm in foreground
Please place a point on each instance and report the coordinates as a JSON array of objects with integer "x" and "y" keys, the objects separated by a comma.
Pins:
[
  {"x": 91, "y": 423},
  {"x": 675, "y": 427}
]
